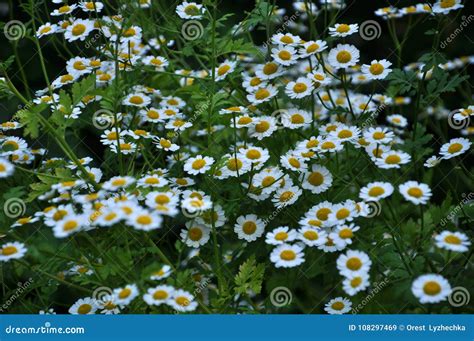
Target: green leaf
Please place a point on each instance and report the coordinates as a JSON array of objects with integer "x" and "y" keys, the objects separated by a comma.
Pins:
[{"x": 250, "y": 277}]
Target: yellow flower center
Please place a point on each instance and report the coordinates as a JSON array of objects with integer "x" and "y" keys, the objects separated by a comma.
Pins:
[
  {"x": 281, "y": 236},
  {"x": 284, "y": 55},
  {"x": 316, "y": 179},
  {"x": 253, "y": 154},
  {"x": 84, "y": 309},
  {"x": 297, "y": 119},
  {"x": 355, "y": 282},
  {"x": 249, "y": 227},
  {"x": 182, "y": 301},
  {"x": 328, "y": 145},
  {"x": 198, "y": 164},
  {"x": 222, "y": 70},
  {"x": 344, "y": 134},
  {"x": 262, "y": 126},
  {"x": 343, "y": 57},
  {"x": 376, "y": 191},
  {"x": 191, "y": 10},
  {"x": 311, "y": 48},
  {"x": 454, "y": 148},
  {"x": 160, "y": 295},
  {"x": 255, "y": 81},
  {"x": 376, "y": 69},
  {"x": 337, "y": 306},
  {"x": 311, "y": 235},
  {"x": 393, "y": 159},
  {"x": 9, "y": 250},
  {"x": 287, "y": 39},
  {"x": 124, "y": 293},
  {"x": 343, "y": 213},
  {"x": 144, "y": 220},
  {"x": 343, "y": 28},
  {"x": 452, "y": 239},
  {"x": 234, "y": 164},
  {"x": 270, "y": 68},
  {"x": 195, "y": 234},
  {"x": 286, "y": 196},
  {"x": 262, "y": 94},
  {"x": 136, "y": 100},
  {"x": 288, "y": 255},
  {"x": 415, "y": 192},
  {"x": 346, "y": 233},
  {"x": 78, "y": 29},
  {"x": 323, "y": 213},
  {"x": 432, "y": 288},
  {"x": 354, "y": 264},
  {"x": 300, "y": 87},
  {"x": 70, "y": 225},
  {"x": 119, "y": 182},
  {"x": 378, "y": 135},
  {"x": 447, "y": 3}
]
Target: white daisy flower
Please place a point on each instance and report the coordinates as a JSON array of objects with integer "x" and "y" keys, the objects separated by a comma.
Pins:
[
  {"x": 13, "y": 250},
  {"x": 318, "y": 180},
  {"x": 397, "y": 120},
  {"x": 446, "y": 6},
  {"x": 295, "y": 118},
  {"x": 6, "y": 168},
  {"x": 453, "y": 241},
  {"x": 249, "y": 227},
  {"x": 144, "y": 220},
  {"x": 79, "y": 30},
  {"x": 287, "y": 256},
  {"x": 343, "y": 56},
  {"x": 159, "y": 295},
  {"x": 415, "y": 192},
  {"x": 83, "y": 306},
  {"x": 224, "y": 69},
  {"x": 455, "y": 147},
  {"x": 300, "y": 88},
  {"x": 355, "y": 283},
  {"x": 137, "y": 100},
  {"x": 262, "y": 94},
  {"x": 286, "y": 196},
  {"x": 338, "y": 306},
  {"x": 198, "y": 165},
  {"x": 195, "y": 235},
  {"x": 46, "y": 29},
  {"x": 183, "y": 301},
  {"x": 125, "y": 295},
  {"x": 353, "y": 262},
  {"x": 285, "y": 55},
  {"x": 280, "y": 235},
  {"x": 312, "y": 236},
  {"x": 378, "y": 69},
  {"x": 375, "y": 191},
  {"x": 431, "y": 288},
  {"x": 190, "y": 10},
  {"x": 392, "y": 159},
  {"x": 270, "y": 70},
  {"x": 378, "y": 135},
  {"x": 343, "y": 30}
]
